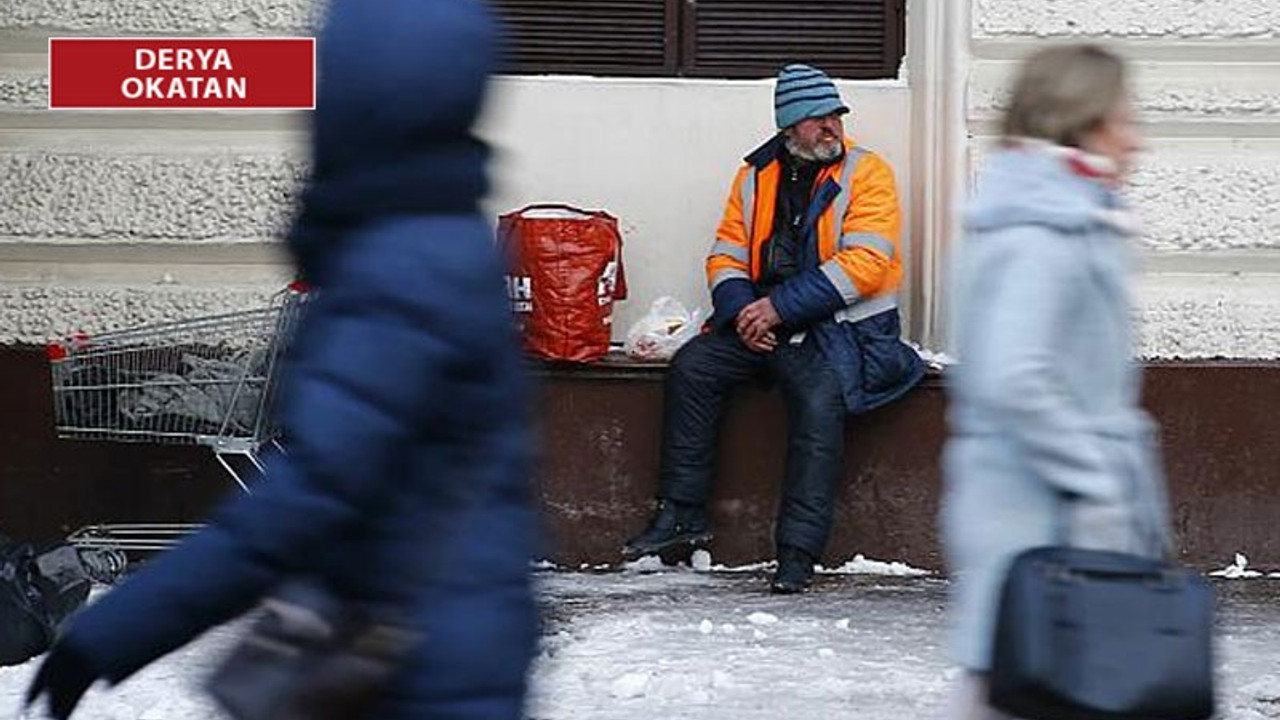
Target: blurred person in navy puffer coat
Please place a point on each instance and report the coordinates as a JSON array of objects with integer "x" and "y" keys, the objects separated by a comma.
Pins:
[{"x": 403, "y": 402}]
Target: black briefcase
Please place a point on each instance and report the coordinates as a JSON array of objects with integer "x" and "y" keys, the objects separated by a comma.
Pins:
[
  {"x": 309, "y": 656},
  {"x": 1093, "y": 635}
]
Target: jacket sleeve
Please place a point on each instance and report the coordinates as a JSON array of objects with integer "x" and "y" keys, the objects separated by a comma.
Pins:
[
  {"x": 351, "y": 399},
  {"x": 1014, "y": 361},
  {"x": 867, "y": 255},
  {"x": 729, "y": 260}
]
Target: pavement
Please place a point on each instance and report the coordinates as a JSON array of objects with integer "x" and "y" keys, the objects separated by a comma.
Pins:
[
  {"x": 676, "y": 644},
  {"x": 657, "y": 643}
]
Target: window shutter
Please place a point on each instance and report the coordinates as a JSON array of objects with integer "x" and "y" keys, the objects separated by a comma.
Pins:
[
  {"x": 605, "y": 37},
  {"x": 754, "y": 38}
]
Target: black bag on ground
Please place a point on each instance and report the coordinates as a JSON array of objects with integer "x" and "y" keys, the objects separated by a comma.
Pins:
[
  {"x": 39, "y": 590},
  {"x": 1094, "y": 635},
  {"x": 309, "y": 656}
]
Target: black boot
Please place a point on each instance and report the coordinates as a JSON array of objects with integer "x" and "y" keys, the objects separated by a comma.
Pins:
[
  {"x": 673, "y": 524},
  {"x": 795, "y": 571}
]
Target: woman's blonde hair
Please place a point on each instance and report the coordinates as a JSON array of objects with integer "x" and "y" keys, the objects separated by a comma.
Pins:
[{"x": 1064, "y": 92}]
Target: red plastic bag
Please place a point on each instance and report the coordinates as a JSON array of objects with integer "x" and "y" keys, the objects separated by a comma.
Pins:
[{"x": 565, "y": 274}]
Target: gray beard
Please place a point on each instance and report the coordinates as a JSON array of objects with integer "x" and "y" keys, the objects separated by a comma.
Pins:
[{"x": 818, "y": 153}]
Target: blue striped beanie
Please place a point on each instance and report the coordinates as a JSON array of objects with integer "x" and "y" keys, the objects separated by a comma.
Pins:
[{"x": 804, "y": 92}]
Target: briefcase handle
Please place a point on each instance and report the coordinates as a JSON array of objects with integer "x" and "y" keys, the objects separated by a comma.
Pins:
[{"x": 1074, "y": 565}]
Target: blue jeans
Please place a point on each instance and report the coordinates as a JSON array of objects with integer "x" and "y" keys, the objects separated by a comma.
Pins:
[{"x": 701, "y": 377}]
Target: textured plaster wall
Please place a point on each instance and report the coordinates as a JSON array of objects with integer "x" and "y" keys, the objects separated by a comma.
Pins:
[
  {"x": 1165, "y": 92},
  {"x": 1207, "y": 86},
  {"x": 1163, "y": 19},
  {"x": 1202, "y": 205},
  {"x": 161, "y": 201},
  {"x": 1209, "y": 316},
  {"x": 114, "y": 195},
  {"x": 1205, "y": 197},
  {"x": 37, "y": 313},
  {"x": 23, "y": 90},
  {"x": 259, "y": 17},
  {"x": 1195, "y": 101}
]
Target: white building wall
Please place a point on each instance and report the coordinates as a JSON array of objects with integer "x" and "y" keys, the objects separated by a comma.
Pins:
[
  {"x": 1208, "y": 87},
  {"x": 115, "y": 219}
]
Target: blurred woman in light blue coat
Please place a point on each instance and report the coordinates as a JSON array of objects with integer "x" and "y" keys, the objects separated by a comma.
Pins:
[{"x": 1048, "y": 444}]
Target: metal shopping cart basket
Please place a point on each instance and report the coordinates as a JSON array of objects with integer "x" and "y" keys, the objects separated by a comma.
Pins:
[{"x": 207, "y": 381}]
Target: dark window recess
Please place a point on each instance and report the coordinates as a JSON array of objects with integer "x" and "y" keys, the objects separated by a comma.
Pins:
[
  {"x": 600, "y": 37},
  {"x": 754, "y": 38},
  {"x": 860, "y": 39}
]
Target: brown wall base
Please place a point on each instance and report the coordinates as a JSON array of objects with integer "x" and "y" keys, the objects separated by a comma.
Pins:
[
  {"x": 50, "y": 487},
  {"x": 1222, "y": 455},
  {"x": 600, "y": 430}
]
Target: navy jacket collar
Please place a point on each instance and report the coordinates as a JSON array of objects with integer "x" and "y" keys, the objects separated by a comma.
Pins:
[{"x": 766, "y": 153}]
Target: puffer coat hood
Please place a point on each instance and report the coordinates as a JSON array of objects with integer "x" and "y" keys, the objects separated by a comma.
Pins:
[{"x": 391, "y": 132}]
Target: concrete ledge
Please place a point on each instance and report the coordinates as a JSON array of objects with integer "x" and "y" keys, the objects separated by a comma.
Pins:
[{"x": 601, "y": 437}]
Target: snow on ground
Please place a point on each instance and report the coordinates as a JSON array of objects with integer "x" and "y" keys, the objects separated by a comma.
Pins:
[
  {"x": 717, "y": 645},
  {"x": 651, "y": 643}
]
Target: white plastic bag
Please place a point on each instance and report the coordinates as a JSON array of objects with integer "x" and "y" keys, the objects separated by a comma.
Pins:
[{"x": 662, "y": 330}]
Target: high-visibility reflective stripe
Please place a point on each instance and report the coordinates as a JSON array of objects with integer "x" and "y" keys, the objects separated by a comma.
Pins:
[
  {"x": 841, "y": 204},
  {"x": 871, "y": 240},
  {"x": 733, "y": 250},
  {"x": 864, "y": 309},
  {"x": 747, "y": 193},
  {"x": 840, "y": 280},
  {"x": 727, "y": 274}
]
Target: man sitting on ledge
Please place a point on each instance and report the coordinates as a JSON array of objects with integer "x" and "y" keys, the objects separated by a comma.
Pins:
[{"x": 804, "y": 274}]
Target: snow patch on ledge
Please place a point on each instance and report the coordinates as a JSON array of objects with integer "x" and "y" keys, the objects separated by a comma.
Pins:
[
  {"x": 701, "y": 562},
  {"x": 1239, "y": 569}
]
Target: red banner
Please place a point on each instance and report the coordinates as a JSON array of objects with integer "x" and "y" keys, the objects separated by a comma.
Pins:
[{"x": 275, "y": 73}]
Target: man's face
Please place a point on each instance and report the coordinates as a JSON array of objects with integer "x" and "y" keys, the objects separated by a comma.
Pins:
[{"x": 818, "y": 138}]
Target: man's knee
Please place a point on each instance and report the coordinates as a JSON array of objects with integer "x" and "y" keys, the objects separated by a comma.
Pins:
[
  {"x": 695, "y": 363},
  {"x": 818, "y": 405},
  {"x": 695, "y": 352}
]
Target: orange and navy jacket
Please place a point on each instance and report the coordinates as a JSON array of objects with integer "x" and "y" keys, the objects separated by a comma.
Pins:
[{"x": 854, "y": 224}]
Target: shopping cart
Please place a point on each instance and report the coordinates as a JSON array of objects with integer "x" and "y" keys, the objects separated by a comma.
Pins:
[{"x": 207, "y": 381}]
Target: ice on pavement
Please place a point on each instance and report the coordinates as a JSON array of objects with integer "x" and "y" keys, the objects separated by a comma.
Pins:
[
  {"x": 677, "y": 643},
  {"x": 794, "y": 660},
  {"x": 635, "y": 645}
]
